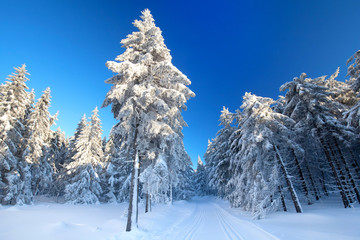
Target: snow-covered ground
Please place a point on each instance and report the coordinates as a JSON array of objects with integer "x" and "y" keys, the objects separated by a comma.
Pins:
[{"x": 201, "y": 218}]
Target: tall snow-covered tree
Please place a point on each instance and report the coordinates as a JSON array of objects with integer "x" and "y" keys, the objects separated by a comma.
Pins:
[
  {"x": 117, "y": 170},
  {"x": 353, "y": 115},
  {"x": 217, "y": 155},
  {"x": 257, "y": 164},
  {"x": 15, "y": 102},
  {"x": 58, "y": 155},
  {"x": 200, "y": 179},
  {"x": 319, "y": 118},
  {"x": 147, "y": 97},
  {"x": 73, "y": 139},
  {"x": 84, "y": 181},
  {"x": 37, "y": 142}
]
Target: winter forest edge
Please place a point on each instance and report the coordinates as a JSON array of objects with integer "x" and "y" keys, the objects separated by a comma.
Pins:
[{"x": 297, "y": 149}]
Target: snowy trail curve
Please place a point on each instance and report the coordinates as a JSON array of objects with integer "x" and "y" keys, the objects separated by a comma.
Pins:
[{"x": 211, "y": 221}]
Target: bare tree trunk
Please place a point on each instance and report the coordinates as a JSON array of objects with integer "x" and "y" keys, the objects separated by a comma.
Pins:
[{"x": 289, "y": 183}]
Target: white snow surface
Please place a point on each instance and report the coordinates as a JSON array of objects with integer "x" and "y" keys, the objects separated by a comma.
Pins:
[{"x": 202, "y": 218}]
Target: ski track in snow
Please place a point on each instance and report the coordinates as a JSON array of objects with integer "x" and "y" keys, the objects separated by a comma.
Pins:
[{"x": 211, "y": 221}]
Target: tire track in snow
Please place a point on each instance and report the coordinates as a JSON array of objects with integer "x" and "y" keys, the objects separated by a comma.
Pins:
[
  {"x": 229, "y": 231},
  {"x": 194, "y": 226},
  {"x": 210, "y": 221},
  {"x": 253, "y": 231}
]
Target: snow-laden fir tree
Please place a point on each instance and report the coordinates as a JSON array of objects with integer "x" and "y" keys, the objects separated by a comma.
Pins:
[
  {"x": 58, "y": 155},
  {"x": 257, "y": 163},
  {"x": 15, "y": 104},
  {"x": 117, "y": 170},
  {"x": 319, "y": 119},
  {"x": 200, "y": 179},
  {"x": 353, "y": 115},
  {"x": 37, "y": 143},
  {"x": 147, "y": 97},
  {"x": 185, "y": 189},
  {"x": 83, "y": 172},
  {"x": 74, "y": 139},
  {"x": 217, "y": 155}
]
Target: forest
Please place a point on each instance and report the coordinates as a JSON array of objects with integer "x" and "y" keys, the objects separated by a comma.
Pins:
[{"x": 297, "y": 149}]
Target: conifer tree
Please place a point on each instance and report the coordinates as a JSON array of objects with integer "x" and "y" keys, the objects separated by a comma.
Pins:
[
  {"x": 257, "y": 163},
  {"x": 318, "y": 116},
  {"x": 217, "y": 155},
  {"x": 353, "y": 115},
  {"x": 83, "y": 172},
  {"x": 118, "y": 170},
  {"x": 58, "y": 155},
  {"x": 147, "y": 98},
  {"x": 37, "y": 144},
  {"x": 200, "y": 179},
  {"x": 15, "y": 102}
]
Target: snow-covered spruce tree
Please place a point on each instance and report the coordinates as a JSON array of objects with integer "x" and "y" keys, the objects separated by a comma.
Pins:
[
  {"x": 117, "y": 170},
  {"x": 318, "y": 117},
  {"x": 37, "y": 143},
  {"x": 217, "y": 154},
  {"x": 353, "y": 115},
  {"x": 74, "y": 139},
  {"x": 259, "y": 167},
  {"x": 185, "y": 189},
  {"x": 83, "y": 171},
  {"x": 58, "y": 155},
  {"x": 200, "y": 179},
  {"x": 147, "y": 98},
  {"x": 15, "y": 104},
  {"x": 354, "y": 71}
]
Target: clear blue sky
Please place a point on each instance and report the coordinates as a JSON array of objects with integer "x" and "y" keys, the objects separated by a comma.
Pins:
[{"x": 225, "y": 48}]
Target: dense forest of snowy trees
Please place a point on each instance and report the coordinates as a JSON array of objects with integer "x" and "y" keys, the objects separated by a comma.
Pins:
[
  {"x": 267, "y": 155},
  {"x": 297, "y": 149},
  {"x": 144, "y": 158}
]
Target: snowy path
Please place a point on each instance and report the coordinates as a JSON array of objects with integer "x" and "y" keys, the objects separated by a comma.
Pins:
[
  {"x": 202, "y": 218},
  {"x": 211, "y": 221}
]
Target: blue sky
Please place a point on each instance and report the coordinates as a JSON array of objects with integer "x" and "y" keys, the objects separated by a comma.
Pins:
[{"x": 226, "y": 48}]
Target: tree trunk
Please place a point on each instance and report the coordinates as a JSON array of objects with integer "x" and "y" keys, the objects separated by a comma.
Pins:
[
  {"x": 302, "y": 179},
  {"x": 147, "y": 202},
  {"x": 316, "y": 192},
  {"x": 133, "y": 187},
  {"x": 293, "y": 194},
  {"x": 337, "y": 179},
  {"x": 340, "y": 167},
  {"x": 150, "y": 203},
  {"x": 348, "y": 172},
  {"x": 282, "y": 199}
]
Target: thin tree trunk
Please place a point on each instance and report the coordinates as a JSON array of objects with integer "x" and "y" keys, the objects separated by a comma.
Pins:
[
  {"x": 354, "y": 163},
  {"x": 137, "y": 191},
  {"x": 336, "y": 176},
  {"x": 293, "y": 194},
  {"x": 344, "y": 180},
  {"x": 326, "y": 192},
  {"x": 282, "y": 199},
  {"x": 302, "y": 179},
  {"x": 133, "y": 185},
  {"x": 348, "y": 173},
  {"x": 147, "y": 202},
  {"x": 316, "y": 193},
  {"x": 150, "y": 203}
]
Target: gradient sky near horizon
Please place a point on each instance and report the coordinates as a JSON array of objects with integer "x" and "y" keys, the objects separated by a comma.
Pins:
[{"x": 226, "y": 48}]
